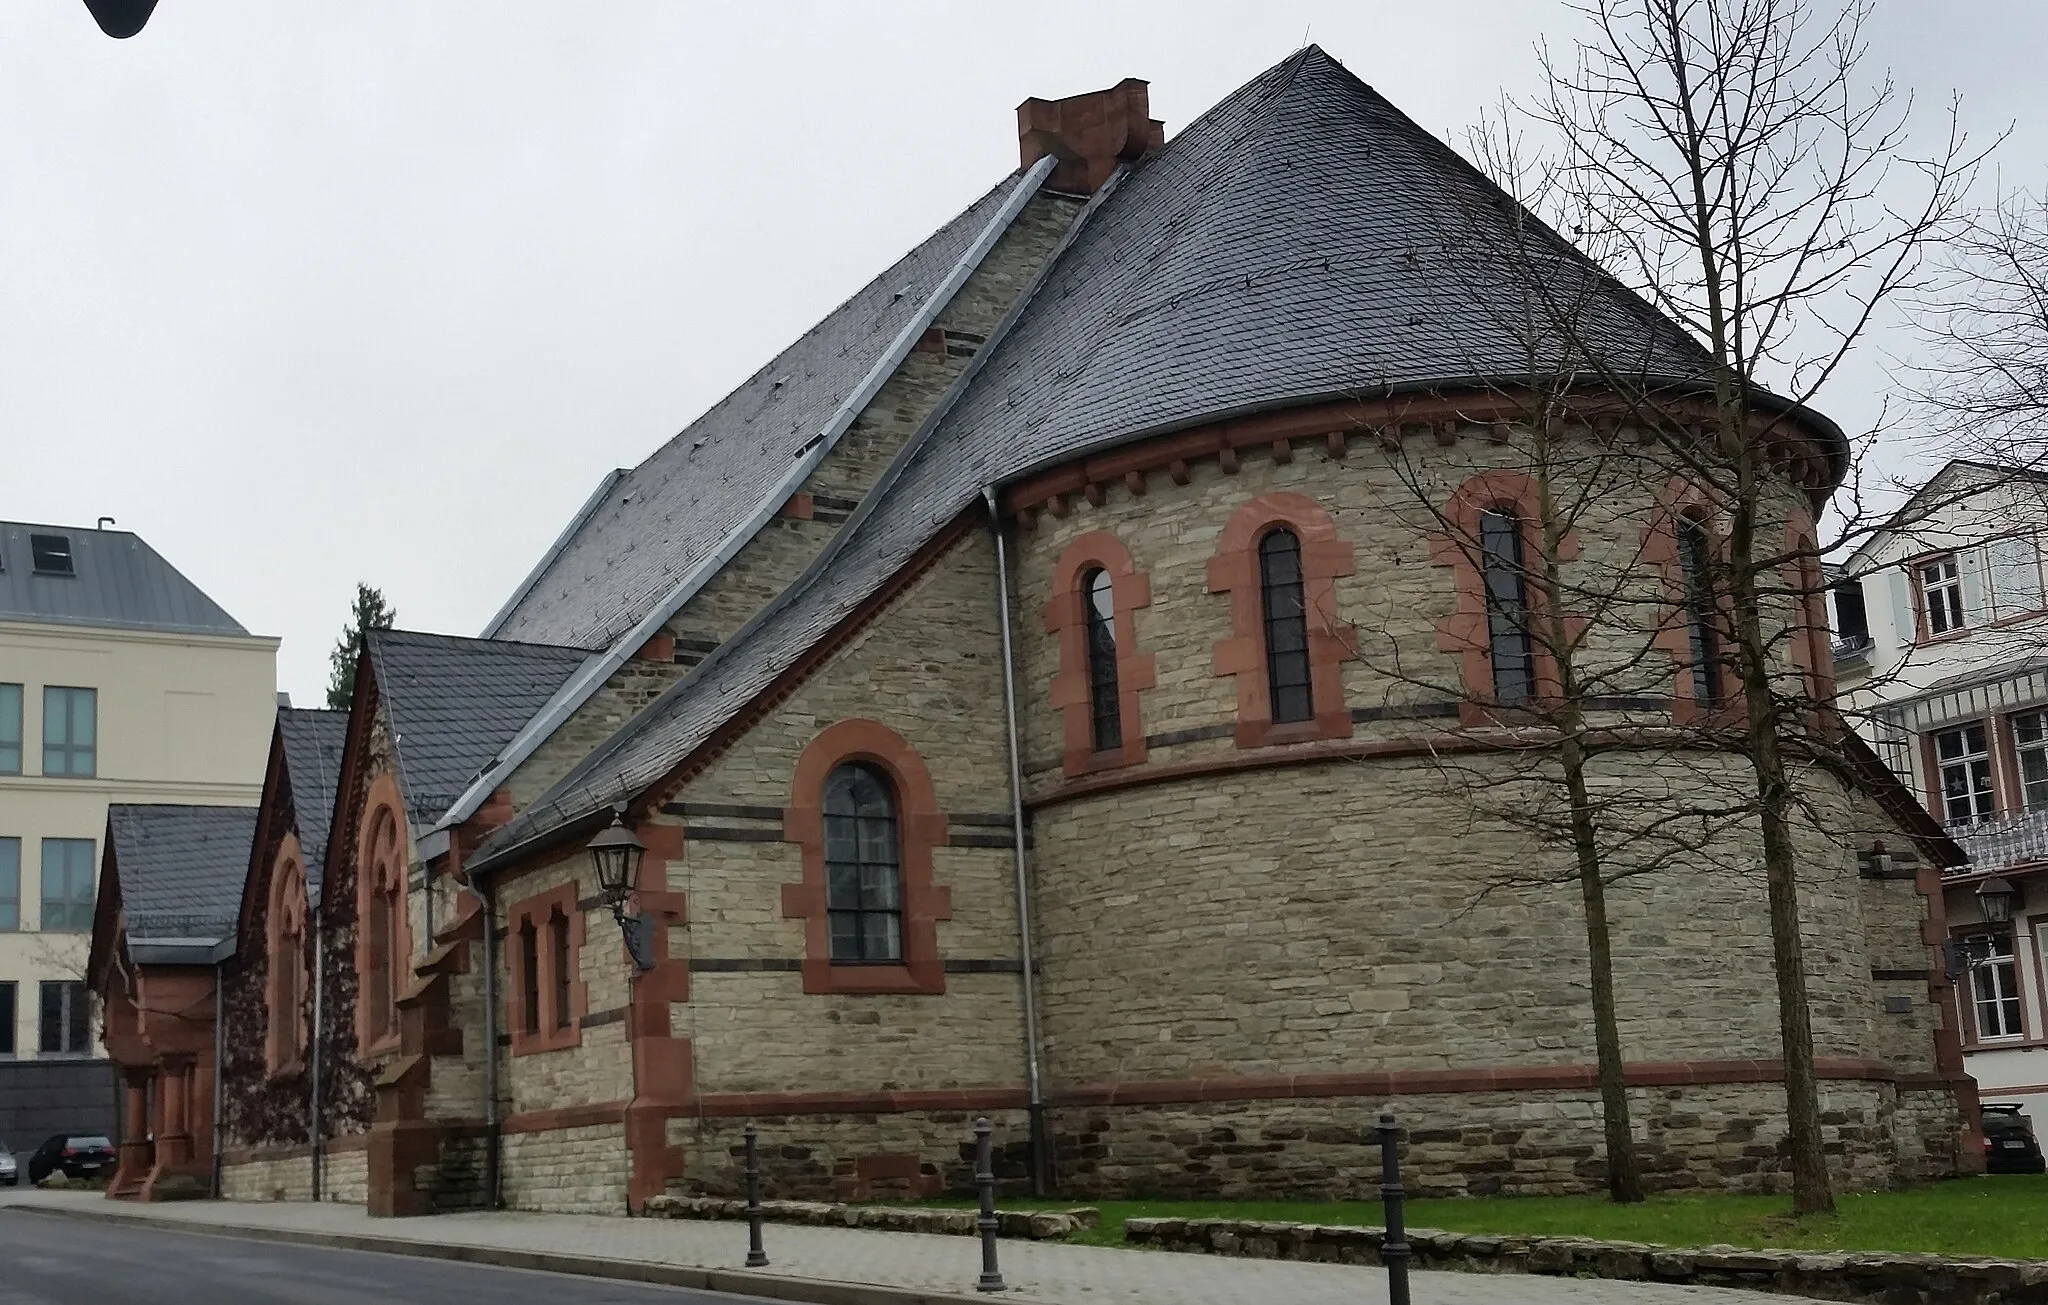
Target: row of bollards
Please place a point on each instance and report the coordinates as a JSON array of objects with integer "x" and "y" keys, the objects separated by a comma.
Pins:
[{"x": 1394, "y": 1251}]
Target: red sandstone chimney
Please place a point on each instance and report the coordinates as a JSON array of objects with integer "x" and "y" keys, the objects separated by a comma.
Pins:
[{"x": 1089, "y": 134}]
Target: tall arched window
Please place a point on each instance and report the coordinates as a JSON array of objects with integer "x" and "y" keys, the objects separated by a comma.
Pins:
[
  {"x": 863, "y": 867},
  {"x": 1696, "y": 559},
  {"x": 1507, "y": 605},
  {"x": 1105, "y": 708},
  {"x": 1284, "y": 608}
]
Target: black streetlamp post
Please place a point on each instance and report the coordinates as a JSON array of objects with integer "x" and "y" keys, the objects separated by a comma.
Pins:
[{"x": 616, "y": 852}]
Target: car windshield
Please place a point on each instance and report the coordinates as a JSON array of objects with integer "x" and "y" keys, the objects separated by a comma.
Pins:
[{"x": 89, "y": 1143}]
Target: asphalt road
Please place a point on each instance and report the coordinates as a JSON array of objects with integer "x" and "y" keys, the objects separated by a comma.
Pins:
[{"x": 47, "y": 1260}]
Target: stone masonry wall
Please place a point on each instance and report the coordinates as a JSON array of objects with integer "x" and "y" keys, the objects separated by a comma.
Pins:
[{"x": 567, "y": 1170}]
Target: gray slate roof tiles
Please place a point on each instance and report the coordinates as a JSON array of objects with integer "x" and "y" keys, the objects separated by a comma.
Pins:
[
  {"x": 666, "y": 515},
  {"x": 116, "y": 581},
  {"x": 181, "y": 868},
  {"x": 313, "y": 742},
  {"x": 454, "y": 702},
  {"x": 1302, "y": 240}
]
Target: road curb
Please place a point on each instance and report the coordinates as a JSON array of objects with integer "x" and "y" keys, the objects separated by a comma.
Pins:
[{"x": 813, "y": 1291}]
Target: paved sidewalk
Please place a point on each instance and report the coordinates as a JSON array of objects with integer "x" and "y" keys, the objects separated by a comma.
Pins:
[{"x": 820, "y": 1264}]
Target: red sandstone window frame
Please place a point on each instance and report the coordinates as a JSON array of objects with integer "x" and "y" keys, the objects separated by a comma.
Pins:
[
  {"x": 1066, "y": 619},
  {"x": 921, "y": 826},
  {"x": 1467, "y": 634},
  {"x": 381, "y": 873},
  {"x": 553, "y": 1029},
  {"x": 1234, "y": 570},
  {"x": 1679, "y": 503},
  {"x": 286, "y": 913}
]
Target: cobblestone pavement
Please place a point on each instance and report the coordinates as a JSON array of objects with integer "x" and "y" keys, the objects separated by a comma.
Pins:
[{"x": 1049, "y": 1272}]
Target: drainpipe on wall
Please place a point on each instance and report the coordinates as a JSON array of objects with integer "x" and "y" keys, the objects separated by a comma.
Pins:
[
  {"x": 1033, "y": 1088},
  {"x": 219, "y": 1080},
  {"x": 314, "y": 1058}
]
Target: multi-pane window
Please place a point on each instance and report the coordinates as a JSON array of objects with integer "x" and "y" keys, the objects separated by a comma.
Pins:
[
  {"x": 2030, "y": 740},
  {"x": 863, "y": 876},
  {"x": 529, "y": 974},
  {"x": 1695, "y": 557},
  {"x": 1285, "y": 608},
  {"x": 10, "y": 729},
  {"x": 1995, "y": 979},
  {"x": 1941, "y": 593},
  {"x": 1964, "y": 757},
  {"x": 10, "y": 883},
  {"x": 1105, "y": 712},
  {"x": 7, "y": 1018},
  {"x": 65, "y": 1027},
  {"x": 564, "y": 963},
  {"x": 70, "y": 731},
  {"x": 1507, "y": 605},
  {"x": 67, "y": 885}
]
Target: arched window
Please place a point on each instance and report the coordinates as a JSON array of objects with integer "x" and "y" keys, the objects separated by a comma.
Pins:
[
  {"x": 1284, "y": 608},
  {"x": 1507, "y": 605},
  {"x": 1105, "y": 708},
  {"x": 1696, "y": 560},
  {"x": 285, "y": 1040},
  {"x": 863, "y": 876}
]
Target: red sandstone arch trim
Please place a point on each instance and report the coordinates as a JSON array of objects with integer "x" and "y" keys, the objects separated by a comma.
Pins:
[
  {"x": 285, "y": 983},
  {"x": 381, "y": 917},
  {"x": 1235, "y": 570},
  {"x": 1066, "y": 618},
  {"x": 1466, "y": 634},
  {"x": 921, "y": 827}
]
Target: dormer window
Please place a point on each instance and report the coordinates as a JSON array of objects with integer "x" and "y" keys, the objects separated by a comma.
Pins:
[{"x": 52, "y": 554}]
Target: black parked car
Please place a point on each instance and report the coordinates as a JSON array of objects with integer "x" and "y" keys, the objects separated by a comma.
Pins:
[
  {"x": 79, "y": 1155},
  {"x": 2009, "y": 1143}
]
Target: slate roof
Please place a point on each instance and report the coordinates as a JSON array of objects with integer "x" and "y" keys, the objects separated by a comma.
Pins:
[
  {"x": 453, "y": 702},
  {"x": 313, "y": 742},
  {"x": 1303, "y": 240},
  {"x": 665, "y": 516},
  {"x": 117, "y": 582},
  {"x": 180, "y": 868}
]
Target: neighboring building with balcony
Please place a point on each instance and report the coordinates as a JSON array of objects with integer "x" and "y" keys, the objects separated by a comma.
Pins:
[
  {"x": 1941, "y": 652},
  {"x": 120, "y": 682}
]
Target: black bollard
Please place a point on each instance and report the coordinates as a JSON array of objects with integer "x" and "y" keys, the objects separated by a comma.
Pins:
[
  {"x": 1394, "y": 1251},
  {"x": 756, "y": 1257},
  {"x": 985, "y": 1178}
]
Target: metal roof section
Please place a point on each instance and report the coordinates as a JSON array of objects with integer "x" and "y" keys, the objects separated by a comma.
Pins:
[
  {"x": 181, "y": 870},
  {"x": 313, "y": 742},
  {"x": 102, "y": 579},
  {"x": 1016, "y": 192}
]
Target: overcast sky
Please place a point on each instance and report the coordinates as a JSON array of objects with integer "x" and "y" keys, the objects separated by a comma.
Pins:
[{"x": 311, "y": 293}]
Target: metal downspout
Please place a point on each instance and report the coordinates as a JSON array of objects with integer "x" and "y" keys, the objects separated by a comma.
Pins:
[
  {"x": 1033, "y": 1086},
  {"x": 219, "y": 1080},
  {"x": 314, "y": 1060}
]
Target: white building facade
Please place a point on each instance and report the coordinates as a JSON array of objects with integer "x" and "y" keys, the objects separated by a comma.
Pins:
[{"x": 120, "y": 681}]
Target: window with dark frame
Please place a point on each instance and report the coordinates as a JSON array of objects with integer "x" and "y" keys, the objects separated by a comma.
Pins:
[
  {"x": 558, "y": 951},
  {"x": 68, "y": 885},
  {"x": 1696, "y": 558},
  {"x": 70, "y": 730},
  {"x": 863, "y": 872},
  {"x": 1284, "y": 606},
  {"x": 10, "y": 884},
  {"x": 1996, "y": 983},
  {"x": 51, "y": 553},
  {"x": 1105, "y": 710},
  {"x": 66, "y": 1019},
  {"x": 2030, "y": 741},
  {"x": 1963, "y": 755},
  {"x": 1507, "y": 605},
  {"x": 10, "y": 729},
  {"x": 1941, "y": 593},
  {"x": 529, "y": 976}
]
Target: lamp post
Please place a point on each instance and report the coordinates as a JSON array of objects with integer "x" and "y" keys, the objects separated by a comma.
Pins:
[{"x": 616, "y": 853}]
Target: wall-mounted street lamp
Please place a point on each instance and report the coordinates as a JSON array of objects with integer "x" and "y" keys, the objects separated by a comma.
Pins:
[{"x": 616, "y": 852}]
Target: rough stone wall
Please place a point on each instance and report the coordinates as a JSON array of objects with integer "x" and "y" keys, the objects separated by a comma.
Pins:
[
  {"x": 268, "y": 1180},
  {"x": 1725, "y": 1137},
  {"x": 567, "y": 1170},
  {"x": 853, "y": 1157}
]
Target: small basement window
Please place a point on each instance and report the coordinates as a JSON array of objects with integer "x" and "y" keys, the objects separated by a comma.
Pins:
[{"x": 52, "y": 554}]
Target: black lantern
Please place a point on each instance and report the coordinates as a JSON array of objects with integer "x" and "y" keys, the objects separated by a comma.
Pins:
[
  {"x": 616, "y": 853},
  {"x": 1996, "y": 898}
]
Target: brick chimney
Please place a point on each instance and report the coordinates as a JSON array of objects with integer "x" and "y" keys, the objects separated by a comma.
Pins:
[{"x": 1089, "y": 134}]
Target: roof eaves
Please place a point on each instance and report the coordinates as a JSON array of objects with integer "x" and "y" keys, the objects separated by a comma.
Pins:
[{"x": 594, "y": 673}]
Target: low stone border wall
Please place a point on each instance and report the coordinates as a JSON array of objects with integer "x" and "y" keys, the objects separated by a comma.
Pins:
[
  {"x": 1036, "y": 1225},
  {"x": 1879, "y": 1278}
]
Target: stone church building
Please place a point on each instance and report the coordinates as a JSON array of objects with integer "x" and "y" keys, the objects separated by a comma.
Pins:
[{"x": 1014, "y": 699}]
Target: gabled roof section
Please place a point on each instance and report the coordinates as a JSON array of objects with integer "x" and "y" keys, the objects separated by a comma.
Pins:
[
  {"x": 180, "y": 868},
  {"x": 653, "y": 524},
  {"x": 313, "y": 740},
  {"x": 452, "y": 703},
  {"x": 104, "y": 579}
]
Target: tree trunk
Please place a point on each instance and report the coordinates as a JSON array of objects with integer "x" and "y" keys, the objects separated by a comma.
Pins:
[{"x": 1624, "y": 1173}]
